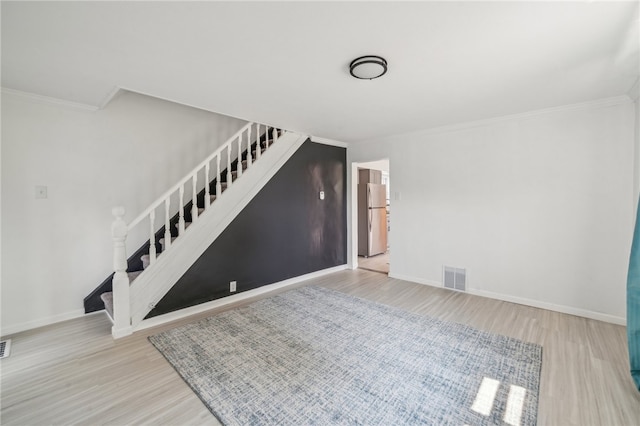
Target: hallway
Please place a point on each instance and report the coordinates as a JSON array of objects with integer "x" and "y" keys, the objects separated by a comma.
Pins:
[{"x": 378, "y": 263}]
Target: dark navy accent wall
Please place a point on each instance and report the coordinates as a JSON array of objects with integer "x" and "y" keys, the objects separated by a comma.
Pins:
[{"x": 284, "y": 232}]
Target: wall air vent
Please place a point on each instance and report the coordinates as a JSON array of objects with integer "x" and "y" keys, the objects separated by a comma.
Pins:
[
  {"x": 455, "y": 278},
  {"x": 5, "y": 348}
]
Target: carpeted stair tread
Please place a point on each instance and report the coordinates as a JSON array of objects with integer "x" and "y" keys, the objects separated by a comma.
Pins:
[
  {"x": 146, "y": 260},
  {"x": 107, "y": 298},
  {"x": 133, "y": 275}
]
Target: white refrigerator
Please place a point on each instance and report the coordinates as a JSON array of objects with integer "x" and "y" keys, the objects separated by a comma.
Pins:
[{"x": 372, "y": 219}]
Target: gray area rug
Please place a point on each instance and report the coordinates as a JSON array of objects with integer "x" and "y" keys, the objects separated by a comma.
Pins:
[{"x": 314, "y": 356}]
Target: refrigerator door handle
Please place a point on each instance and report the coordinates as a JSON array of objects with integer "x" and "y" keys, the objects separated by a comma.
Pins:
[
  {"x": 369, "y": 196},
  {"x": 370, "y": 220}
]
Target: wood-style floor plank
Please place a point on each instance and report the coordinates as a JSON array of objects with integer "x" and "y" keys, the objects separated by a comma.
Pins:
[{"x": 75, "y": 373}]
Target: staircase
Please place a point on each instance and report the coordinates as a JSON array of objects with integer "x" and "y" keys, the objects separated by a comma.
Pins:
[{"x": 239, "y": 168}]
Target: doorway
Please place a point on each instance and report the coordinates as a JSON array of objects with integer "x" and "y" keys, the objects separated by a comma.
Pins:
[{"x": 372, "y": 215}]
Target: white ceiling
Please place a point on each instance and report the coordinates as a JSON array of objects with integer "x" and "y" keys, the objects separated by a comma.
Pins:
[{"x": 286, "y": 63}]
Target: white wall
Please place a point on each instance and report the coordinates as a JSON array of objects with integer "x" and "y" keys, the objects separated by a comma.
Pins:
[
  {"x": 539, "y": 208},
  {"x": 57, "y": 250}
]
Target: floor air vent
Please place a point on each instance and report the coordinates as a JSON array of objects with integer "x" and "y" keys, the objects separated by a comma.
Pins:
[
  {"x": 455, "y": 278},
  {"x": 5, "y": 348}
]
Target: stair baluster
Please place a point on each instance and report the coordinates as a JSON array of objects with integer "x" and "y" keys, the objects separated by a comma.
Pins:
[
  {"x": 218, "y": 183},
  {"x": 229, "y": 177},
  {"x": 167, "y": 224},
  {"x": 249, "y": 157},
  {"x": 258, "y": 141},
  {"x": 152, "y": 237},
  {"x": 194, "y": 198},
  {"x": 207, "y": 187},
  {"x": 181, "y": 211},
  {"x": 266, "y": 139},
  {"x": 239, "y": 163}
]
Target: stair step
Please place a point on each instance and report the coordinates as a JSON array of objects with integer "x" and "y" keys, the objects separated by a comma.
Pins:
[
  {"x": 107, "y": 298},
  {"x": 146, "y": 260},
  {"x": 212, "y": 198},
  {"x": 133, "y": 275}
]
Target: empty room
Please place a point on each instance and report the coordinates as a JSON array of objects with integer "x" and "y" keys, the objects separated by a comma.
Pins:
[{"x": 183, "y": 205}]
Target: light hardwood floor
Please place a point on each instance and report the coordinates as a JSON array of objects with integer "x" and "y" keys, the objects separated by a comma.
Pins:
[
  {"x": 378, "y": 263},
  {"x": 74, "y": 373}
]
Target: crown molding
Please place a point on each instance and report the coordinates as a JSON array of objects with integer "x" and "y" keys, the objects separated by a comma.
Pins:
[
  {"x": 599, "y": 103},
  {"x": 48, "y": 100},
  {"x": 110, "y": 96},
  {"x": 326, "y": 141}
]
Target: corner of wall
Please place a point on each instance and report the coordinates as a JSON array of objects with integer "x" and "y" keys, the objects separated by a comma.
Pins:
[{"x": 636, "y": 148}]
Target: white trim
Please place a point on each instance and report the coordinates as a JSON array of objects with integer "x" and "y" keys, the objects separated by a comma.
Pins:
[
  {"x": 203, "y": 307},
  {"x": 416, "y": 280},
  {"x": 353, "y": 204},
  {"x": 551, "y": 306},
  {"x": 523, "y": 301},
  {"x": 600, "y": 103},
  {"x": 326, "y": 141},
  {"x": 49, "y": 100},
  {"x": 41, "y": 322},
  {"x": 117, "y": 333},
  {"x": 110, "y": 96}
]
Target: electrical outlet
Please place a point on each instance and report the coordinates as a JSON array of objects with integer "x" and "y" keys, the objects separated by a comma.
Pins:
[
  {"x": 232, "y": 286},
  {"x": 322, "y": 195}
]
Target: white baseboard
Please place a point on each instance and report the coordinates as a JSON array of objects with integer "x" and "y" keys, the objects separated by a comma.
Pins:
[
  {"x": 524, "y": 301},
  {"x": 415, "y": 280},
  {"x": 40, "y": 322},
  {"x": 183, "y": 313},
  {"x": 551, "y": 306}
]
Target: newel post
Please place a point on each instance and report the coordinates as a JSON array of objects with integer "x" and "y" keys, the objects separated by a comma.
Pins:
[{"x": 121, "y": 304}]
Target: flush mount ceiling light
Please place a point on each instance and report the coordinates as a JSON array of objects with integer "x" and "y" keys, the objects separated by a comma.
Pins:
[{"x": 368, "y": 67}]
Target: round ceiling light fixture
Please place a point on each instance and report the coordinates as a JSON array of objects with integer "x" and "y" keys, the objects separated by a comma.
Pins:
[{"x": 368, "y": 67}]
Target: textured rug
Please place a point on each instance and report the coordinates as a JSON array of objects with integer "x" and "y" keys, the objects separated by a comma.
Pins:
[{"x": 314, "y": 356}]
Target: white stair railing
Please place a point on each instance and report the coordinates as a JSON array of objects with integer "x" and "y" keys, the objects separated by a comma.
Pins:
[{"x": 227, "y": 153}]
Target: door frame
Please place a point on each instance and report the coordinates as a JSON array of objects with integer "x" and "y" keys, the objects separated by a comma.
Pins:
[{"x": 353, "y": 263}]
